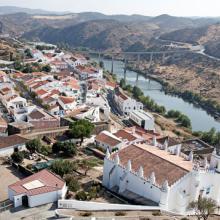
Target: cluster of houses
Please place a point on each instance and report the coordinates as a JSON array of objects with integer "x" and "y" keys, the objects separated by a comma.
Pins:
[{"x": 140, "y": 164}]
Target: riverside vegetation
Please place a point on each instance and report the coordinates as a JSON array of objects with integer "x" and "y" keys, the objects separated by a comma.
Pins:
[{"x": 150, "y": 104}]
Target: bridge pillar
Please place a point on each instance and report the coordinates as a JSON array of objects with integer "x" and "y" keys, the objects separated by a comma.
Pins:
[
  {"x": 138, "y": 67},
  {"x": 112, "y": 69},
  {"x": 99, "y": 58},
  {"x": 163, "y": 58},
  {"x": 151, "y": 59},
  {"x": 137, "y": 76},
  {"x": 125, "y": 70}
]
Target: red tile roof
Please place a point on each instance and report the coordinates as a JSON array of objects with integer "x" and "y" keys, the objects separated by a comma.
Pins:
[
  {"x": 122, "y": 134},
  {"x": 12, "y": 140},
  {"x": 67, "y": 100},
  {"x": 104, "y": 138},
  {"x": 49, "y": 180},
  {"x": 41, "y": 92},
  {"x": 163, "y": 168}
]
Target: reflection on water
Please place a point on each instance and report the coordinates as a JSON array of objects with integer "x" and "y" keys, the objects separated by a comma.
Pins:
[{"x": 201, "y": 121}]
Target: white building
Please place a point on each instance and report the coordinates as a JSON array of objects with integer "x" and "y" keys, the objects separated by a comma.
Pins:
[
  {"x": 11, "y": 143},
  {"x": 143, "y": 119},
  {"x": 106, "y": 140},
  {"x": 144, "y": 172},
  {"x": 77, "y": 60},
  {"x": 67, "y": 103},
  {"x": 38, "y": 189},
  {"x": 89, "y": 72},
  {"x": 125, "y": 103}
]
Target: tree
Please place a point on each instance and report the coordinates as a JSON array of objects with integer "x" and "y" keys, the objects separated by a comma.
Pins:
[
  {"x": 203, "y": 208},
  {"x": 17, "y": 157},
  {"x": 87, "y": 165},
  {"x": 62, "y": 167},
  {"x": 67, "y": 148},
  {"x": 33, "y": 145},
  {"x": 81, "y": 129},
  {"x": 101, "y": 64},
  {"x": 137, "y": 92},
  {"x": 18, "y": 65},
  {"x": 46, "y": 68},
  {"x": 72, "y": 183},
  {"x": 56, "y": 148},
  {"x": 82, "y": 196},
  {"x": 122, "y": 83}
]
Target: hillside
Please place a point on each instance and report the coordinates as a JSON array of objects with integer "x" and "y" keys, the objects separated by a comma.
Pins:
[
  {"x": 12, "y": 10},
  {"x": 209, "y": 36},
  {"x": 100, "y": 31},
  {"x": 119, "y": 33},
  {"x": 99, "y": 34}
]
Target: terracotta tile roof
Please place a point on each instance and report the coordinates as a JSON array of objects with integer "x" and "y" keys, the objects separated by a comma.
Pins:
[
  {"x": 165, "y": 166},
  {"x": 38, "y": 74},
  {"x": 37, "y": 114},
  {"x": 122, "y": 134},
  {"x": 6, "y": 89},
  {"x": 146, "y": 135},
  {"x": 39, "y": 84},
  {"x": 111, "y": 84},
  {"x": 49, "y": 183},
  {"x": 3, "y": 123},
  {"x": 104, "y": 138},
  {"x": 11, "y": 141},
  {"x": 66, "y": 100},
  {"x": 54, "y": 92},
  {"x": 41, "y": 92}
]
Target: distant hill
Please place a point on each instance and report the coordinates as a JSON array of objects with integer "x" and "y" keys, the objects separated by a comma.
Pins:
[
  {"x": 99, "y": 34},
  {"x": 97, "y": 30},
  {"x": 209, "y": 36},
  {"x": 12, "y": 10}
]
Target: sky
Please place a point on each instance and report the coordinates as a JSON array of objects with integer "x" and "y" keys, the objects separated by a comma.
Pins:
[{"x": 145, "y": 7}]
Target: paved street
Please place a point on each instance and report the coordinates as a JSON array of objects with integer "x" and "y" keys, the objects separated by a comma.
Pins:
[{"x": 39, "y": 213}]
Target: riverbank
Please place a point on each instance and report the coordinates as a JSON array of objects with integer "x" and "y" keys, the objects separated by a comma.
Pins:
[
  {"x": 211, "y": 107},
  {"x": 167, "y": 126}
]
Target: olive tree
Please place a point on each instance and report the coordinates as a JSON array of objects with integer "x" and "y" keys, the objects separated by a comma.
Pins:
[{"x": 203, "y": 207}]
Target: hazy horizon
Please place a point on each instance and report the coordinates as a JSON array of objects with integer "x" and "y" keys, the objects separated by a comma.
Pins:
[{"x": 187, "y": 8}]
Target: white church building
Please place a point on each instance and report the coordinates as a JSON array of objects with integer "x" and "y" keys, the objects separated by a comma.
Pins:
[{"x": 152, "y": 174}]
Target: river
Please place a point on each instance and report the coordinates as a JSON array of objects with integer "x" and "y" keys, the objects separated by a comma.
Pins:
[{"x": 201, "y": 121}]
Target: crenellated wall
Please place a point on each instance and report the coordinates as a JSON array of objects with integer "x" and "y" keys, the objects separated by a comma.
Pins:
[{"x": 116, "y": 175}]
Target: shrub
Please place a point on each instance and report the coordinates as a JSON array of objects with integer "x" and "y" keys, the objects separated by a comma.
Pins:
[
  {"x": 17, "y": 157},
  {"x": 156, "y": 213},
  {"x": 29, "y": 166},
  {"x": 85, "y": 214},
  {"x": 81, "y": 196},
  {"x": 33, "y": 145},
  {"x": 184, "y": 218},
  {"x": 62, "y": 167},
  {"x": 93, "y": 193},
  {"x": 120, "y": 213},
  {"x": 69, "y": 149},
  {"x": 45, "y": 150},
  {"x": 72, "y": 183}
]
